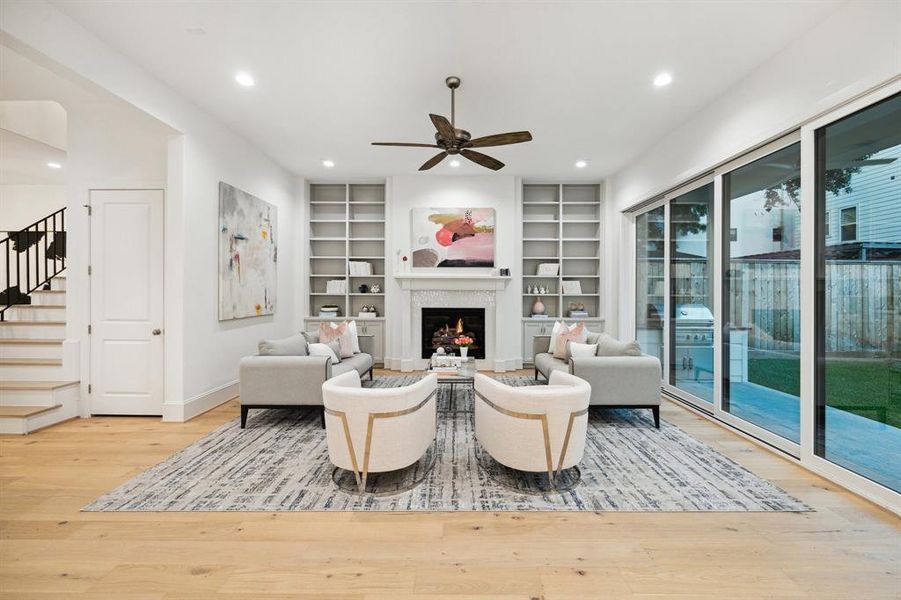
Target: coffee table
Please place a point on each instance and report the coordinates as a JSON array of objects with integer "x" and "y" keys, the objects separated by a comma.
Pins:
[{"x": 464, "y": 376}]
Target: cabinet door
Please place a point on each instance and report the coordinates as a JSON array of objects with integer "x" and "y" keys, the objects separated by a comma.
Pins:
[
  {"x": 529, "y": 331},
  {"x": 377, "y": 331}
]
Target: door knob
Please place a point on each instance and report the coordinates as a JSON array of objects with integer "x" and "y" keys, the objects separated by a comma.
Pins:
[{"x": 157, "y": 331}]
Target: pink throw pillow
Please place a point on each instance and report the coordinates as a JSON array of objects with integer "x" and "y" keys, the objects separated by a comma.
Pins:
[
  {"x": 576, "y": 334},
  {"x": 330, "y": 332}
]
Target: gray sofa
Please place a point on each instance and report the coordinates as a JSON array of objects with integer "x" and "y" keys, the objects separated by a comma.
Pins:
[
  {"x": 616, "y": 381},
  {"x": 288, "y": 377}
]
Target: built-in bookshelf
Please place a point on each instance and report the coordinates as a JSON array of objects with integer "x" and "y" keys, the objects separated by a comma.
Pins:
[
  {"x": 562, "y": 225},
  {"x": 346, "y": 223}
]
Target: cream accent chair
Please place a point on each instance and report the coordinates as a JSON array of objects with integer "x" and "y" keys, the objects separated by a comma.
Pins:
[
  {"x": 378, "y": 430},
  {"x": 533, "y": 428}
]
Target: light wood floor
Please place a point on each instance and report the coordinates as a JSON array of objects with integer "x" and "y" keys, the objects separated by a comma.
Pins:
[{"x": 48, "y": 549}]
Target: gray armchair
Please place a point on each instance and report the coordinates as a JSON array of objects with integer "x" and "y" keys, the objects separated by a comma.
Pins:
[
  {"x": 290, "y": 381},
  {"x": 616, "y": 381}
]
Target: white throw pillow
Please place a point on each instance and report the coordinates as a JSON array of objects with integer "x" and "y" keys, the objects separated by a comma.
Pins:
[
  {"x": 320, "y": 349},
  {"x": 354, "y": 336},
  {"x": 577, "y": 350},
  {"x": 561, "y": 327}
]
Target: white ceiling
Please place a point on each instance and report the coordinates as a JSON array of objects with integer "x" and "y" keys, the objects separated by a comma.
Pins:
[
  {"x": 23, "y": 161},
  {"x": 334, "y": 76}
]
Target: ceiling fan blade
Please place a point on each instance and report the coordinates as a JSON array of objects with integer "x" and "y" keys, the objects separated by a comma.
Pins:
[
  {"x": 445, "y": 129},
  {"x": 405, "y": 144},
  {"x": 482, "y": 159},
  {"x": 433, "y": 161},
  {"x": 501, "y": 139}
]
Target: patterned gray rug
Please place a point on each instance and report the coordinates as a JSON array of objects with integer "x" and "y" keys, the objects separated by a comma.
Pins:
[{"x": 280, "y": 463}]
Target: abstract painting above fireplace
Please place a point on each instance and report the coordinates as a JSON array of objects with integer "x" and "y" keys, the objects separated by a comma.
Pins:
[
  {"x": 440, "y": 326},
  {"x": 453, "y": 237}
]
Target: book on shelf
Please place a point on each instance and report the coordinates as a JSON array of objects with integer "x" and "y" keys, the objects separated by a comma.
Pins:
[
  {"x": 540, "y": 317},
  {"x": 336, "y": 286},
  {"x": 359, "y": 267},
  {"x": 328, "y": 313},
  {"x": 578, "y": 314}
]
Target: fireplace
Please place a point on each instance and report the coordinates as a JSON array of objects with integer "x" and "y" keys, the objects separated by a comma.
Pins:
[{"x": 441, "y": 325}]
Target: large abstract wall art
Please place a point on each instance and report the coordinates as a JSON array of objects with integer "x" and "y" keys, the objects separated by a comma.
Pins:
[
  {"x": 248, "y": 254},
  {"x": 453, "y": 237}
]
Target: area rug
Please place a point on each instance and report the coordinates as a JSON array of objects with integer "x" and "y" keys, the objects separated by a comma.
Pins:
[{"x": 280, "y": 463}]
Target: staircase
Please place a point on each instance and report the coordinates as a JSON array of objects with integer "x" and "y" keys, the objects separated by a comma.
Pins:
[{"x": 34, "y": 391}]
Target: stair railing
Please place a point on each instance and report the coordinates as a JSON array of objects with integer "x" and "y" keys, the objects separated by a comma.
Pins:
[{"x": 31, "y": 258}]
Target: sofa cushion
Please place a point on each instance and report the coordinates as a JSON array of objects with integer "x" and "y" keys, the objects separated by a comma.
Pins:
[
  {"x": 295, "y": 345},
  {"x": 576, "y": 333},
  {"x": 359, "y": 362},
  {"x": 610, "y": 346},
  {"x": 329, "y": 351},
  {"x": 338, "y": 332},
  {"x": 312, "y": 337},
  {"x": 547, "y": 364},
  {"x": 577, "y": 350}
]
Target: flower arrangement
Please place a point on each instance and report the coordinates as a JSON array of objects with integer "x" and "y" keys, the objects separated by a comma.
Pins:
[{"x": 464, "y": 341}]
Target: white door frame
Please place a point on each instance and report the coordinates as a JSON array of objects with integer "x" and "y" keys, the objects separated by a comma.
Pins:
[{"x": 87, "y": 371}]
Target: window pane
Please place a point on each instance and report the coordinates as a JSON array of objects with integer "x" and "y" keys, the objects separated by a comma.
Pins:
[
  {"x": 691, "y": 299},
  {"x": 761, "y": 295},
  {"x": 858, "y": 395},
  {"x": 649, "y": 284}
]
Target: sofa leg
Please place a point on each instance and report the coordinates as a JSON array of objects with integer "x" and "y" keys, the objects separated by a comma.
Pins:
[
  {"x": 370, "y": 374},
  {"x": 322, "y": 416},
  {"x": 536, "y": 373},
  {"x": 244, "y": 411},
  {"x": 656, "y": 411}
]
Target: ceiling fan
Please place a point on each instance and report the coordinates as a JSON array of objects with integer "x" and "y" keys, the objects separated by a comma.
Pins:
[{"x": 459, "y": 141}]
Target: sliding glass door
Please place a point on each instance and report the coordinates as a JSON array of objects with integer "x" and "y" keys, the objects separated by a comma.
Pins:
[
  {"x": 650, "y": 283},
  {"x": 858, "y": 292},
  {"x": 691, "y": 293},
  {"x": 761, "y": 302}
]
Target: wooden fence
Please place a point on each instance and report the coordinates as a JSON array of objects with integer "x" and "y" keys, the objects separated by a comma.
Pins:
[{"x": 863, "y": 302}]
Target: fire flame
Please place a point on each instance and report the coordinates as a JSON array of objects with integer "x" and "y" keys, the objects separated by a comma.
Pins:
[{"x": 459, "y": 326}]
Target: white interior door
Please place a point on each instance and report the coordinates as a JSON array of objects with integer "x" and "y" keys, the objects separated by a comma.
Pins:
[{"x": 127, "y": 302}]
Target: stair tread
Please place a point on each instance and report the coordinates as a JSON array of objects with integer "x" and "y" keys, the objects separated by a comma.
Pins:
[
  {"x": 32, "y": 323},
  {"x": 38, "y": 306},
  {"x": 48, "y": 292},
  {"x": 24, "y": 411},
  {"x": 34, "y": 385},
  {"x": 32, "y": 341},
  {"x": 43, "y": 362}
]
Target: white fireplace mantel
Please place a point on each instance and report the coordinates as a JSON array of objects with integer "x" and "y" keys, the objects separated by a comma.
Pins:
[
  {"x": 451, "y": 281},
  {"x": 432, "y": 289}
]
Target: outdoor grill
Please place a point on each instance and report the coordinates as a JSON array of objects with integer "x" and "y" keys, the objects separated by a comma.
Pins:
[{"x": 693, "y": 342}]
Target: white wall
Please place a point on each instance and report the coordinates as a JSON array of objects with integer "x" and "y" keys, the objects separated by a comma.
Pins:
[
  {"x": 201, "y": 353},
  {"x": 500, "y": 192},
  {"x": 22, "y": 205},
  {"x": 853, "y": 50}
]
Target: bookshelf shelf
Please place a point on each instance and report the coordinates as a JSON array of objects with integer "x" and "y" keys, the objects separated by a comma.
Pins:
[{"x": 343, "y": 218}]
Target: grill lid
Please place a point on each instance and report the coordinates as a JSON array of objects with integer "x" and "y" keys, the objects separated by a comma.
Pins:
[{"x": 694, "y": 313}]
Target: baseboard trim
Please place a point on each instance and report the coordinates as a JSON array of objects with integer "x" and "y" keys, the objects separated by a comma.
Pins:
[{"x": 180, "y": 412}]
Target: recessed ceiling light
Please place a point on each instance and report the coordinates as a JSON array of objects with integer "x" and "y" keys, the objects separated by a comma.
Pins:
[
  {"x": 196, "y": 30},
  {"x": 244, "y": 79},
  {"x": 581, "y": 164},
  {"x": 328, "y": 164},
  {"x": 54, "y": 165},
  {"x": 454, "y": 163},
  {"x": 663, "y": 79}
]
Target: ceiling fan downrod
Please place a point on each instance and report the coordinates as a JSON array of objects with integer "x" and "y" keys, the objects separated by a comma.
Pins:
[{"x": 453, "y": 82}]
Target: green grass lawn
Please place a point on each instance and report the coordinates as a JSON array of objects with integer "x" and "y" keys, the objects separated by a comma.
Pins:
[{"x": 857, "y": 386}]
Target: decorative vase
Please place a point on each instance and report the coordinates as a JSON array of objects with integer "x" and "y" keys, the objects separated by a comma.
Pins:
[
  {"x": 464, "y": 351},
  {"x": 538, "y": 306}
]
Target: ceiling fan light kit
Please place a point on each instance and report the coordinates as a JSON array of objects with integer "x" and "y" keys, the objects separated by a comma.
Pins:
[{"x": 459, "y": 141}]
